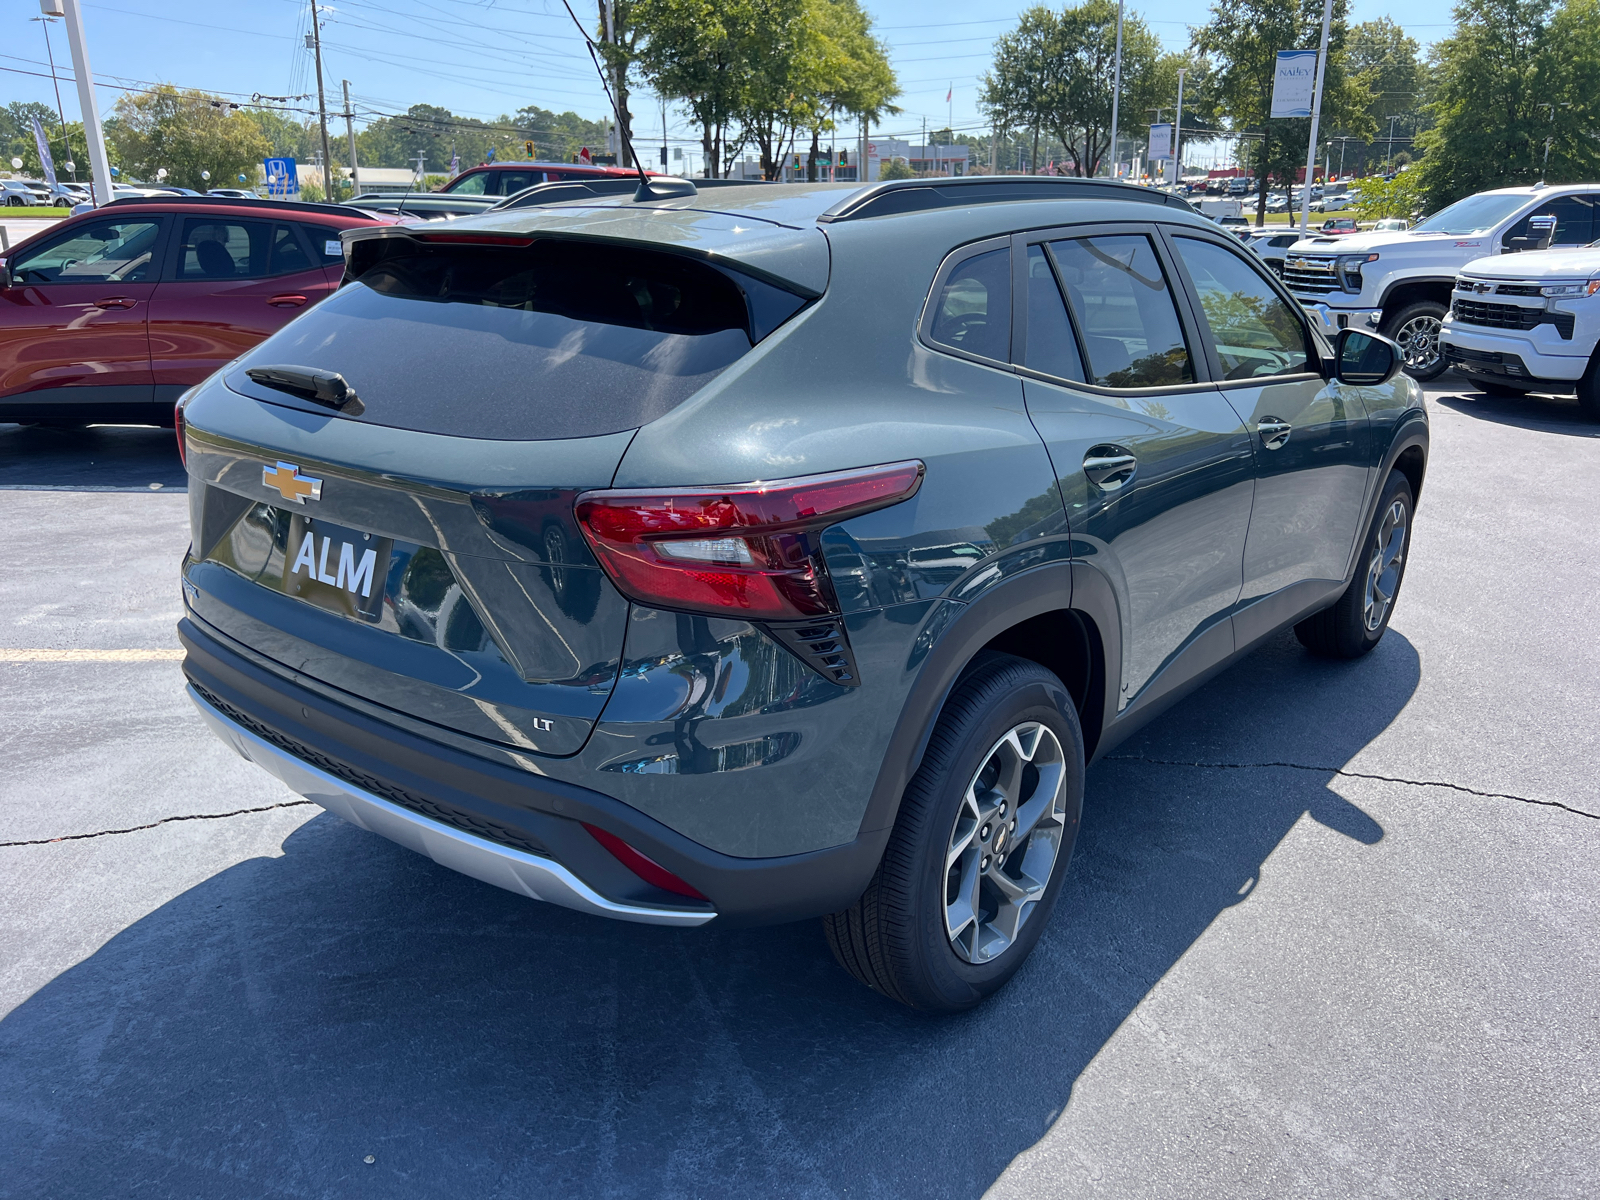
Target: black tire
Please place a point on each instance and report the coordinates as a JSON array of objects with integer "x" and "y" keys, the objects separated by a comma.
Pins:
[
  {"x": 1420, "y": 343},
  {"x": 1345, "y": 628},
  {"x": 1589, "y": 389},
  {"x": 895, "y": 938}
]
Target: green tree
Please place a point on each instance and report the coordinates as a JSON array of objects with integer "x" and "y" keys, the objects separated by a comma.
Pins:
[
  {"x": 1054, "y": 73},
  {"x": 557, "y": 137},
  {"x": 1388, "y": 64},
  {"x": 894, "y": 168},
  {"x": 186, "y": 132},
  {"x": 1397, "y": 197},
  {"x": 1244, "y": 37},
  {"x": 694, "y": 54},
  {"x": 855, "y": 75},
  {"x": 17, "y": 141},
  {"x": 1514, "y": 73}
]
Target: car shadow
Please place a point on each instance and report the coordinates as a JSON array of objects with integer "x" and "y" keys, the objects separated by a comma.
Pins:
[
  {"x": 123, "y": 458},
  {"x": 1535, "y": 411},
  {"x": 269, "y": 1028}
]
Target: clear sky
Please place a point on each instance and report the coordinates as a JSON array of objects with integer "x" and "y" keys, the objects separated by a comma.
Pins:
[{"x": 484, "y": 57}]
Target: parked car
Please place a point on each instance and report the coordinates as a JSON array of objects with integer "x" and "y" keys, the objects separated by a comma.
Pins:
[
  {"x": 232, "y": 193},
  {"x": 1391, "y": 225},
  {"x": 504, "y": 179},
  {"x": 66, "y": 194},
  {"x": 524, "y": 618},
  {"x": 1338, "y": 227},
  {"x": 1273, "y": 243},
  {"x": 111, "y": 315},
  {"x": 19, "y": 193},
  {"x": 1238, "y": 226},
  {"x": 1528, "y": 322},
  {"x": 1400, "y": 283},
  {"x": 1331, "y": 204}
]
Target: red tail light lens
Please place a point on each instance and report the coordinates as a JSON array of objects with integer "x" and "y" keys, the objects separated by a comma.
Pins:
[
  {"x": 748, "y": 550},
  {"x": 647, "y": 869},
  {"x": 177, "y": 425}
]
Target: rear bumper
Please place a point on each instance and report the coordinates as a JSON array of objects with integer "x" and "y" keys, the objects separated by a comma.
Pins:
[
  {"x": 531, "y": 875},
  {"x": 515, "y": 829}
]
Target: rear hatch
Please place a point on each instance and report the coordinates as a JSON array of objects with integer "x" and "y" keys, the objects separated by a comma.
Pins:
[{"x": 415, "y": 548}]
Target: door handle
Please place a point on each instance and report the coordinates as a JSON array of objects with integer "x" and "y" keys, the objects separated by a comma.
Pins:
[
  {"x": 1274, "y": 432},
  {"x": 115, "y": 302},
  {"x": 287, "y": 301},
  {"x": 1109, "y": 468}
]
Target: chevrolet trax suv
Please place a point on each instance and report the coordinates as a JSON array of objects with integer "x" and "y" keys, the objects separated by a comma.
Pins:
[{"x": 776, "y": 553}]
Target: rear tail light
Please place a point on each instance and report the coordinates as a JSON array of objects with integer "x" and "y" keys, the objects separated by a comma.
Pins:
[
  {"x": 750, "y": 550},
  {"x": 178, "y": 426},
  {"x": 646, "y": 868}
]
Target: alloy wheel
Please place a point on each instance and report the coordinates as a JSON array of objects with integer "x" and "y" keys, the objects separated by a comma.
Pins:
[
  {"x": 1005, "y": 841},
  {"x": 1385, "y": 565},
  {"x": 1418, "y": 340}
]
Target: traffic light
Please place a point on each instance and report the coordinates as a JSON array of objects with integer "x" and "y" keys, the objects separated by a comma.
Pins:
[
  {"x": 528, "y": 146},
  {"x": 844, "y": 158}
]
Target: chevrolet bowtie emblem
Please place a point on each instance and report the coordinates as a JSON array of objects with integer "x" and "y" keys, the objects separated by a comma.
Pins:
[{"x": 290, "y": 483}]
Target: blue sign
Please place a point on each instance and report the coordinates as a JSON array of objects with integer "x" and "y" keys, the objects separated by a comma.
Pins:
[{"x": 283, "y": 179}]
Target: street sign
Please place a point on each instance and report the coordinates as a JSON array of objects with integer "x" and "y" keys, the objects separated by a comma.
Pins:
[
  {"x": 1293, "y": 83},
  {"x": 283, "y": 179}
]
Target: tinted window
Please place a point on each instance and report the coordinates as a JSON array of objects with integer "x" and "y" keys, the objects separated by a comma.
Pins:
[
  {"x": 99, "y": 252},
  {"x": 512, "y": 182},
  {"x": 217, "y": 248},
  {"x": 973, "y": 309},
  {"x": 325, "y": 243},
  {"x": 471, "y": 185},
  {"x": 1124, "y": 310},
  {"x": 1051, "y": 347},
  {"x": 287, "y": 253},
  {"x": 558, "y": 340},
  {"x": 1255, "y": 332},
  {"x": 1574, "y": 220}
]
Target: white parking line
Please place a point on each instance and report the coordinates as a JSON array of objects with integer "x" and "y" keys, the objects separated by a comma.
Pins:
[{"x": 74, "y": 656}]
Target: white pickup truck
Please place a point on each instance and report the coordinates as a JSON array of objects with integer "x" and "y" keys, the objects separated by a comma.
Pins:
[
  {"x": 1401, "y": 283},
  {"x": 1528, "y": 323}
]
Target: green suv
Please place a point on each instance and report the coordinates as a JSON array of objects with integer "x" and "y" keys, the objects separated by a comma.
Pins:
[{"x": 779, "y": 552}]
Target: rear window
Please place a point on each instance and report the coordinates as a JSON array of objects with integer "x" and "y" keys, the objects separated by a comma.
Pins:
[{"x": 559, "y": 339}]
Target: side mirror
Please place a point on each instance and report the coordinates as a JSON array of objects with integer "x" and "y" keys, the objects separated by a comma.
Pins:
[{"x": 1365, "y": 359}]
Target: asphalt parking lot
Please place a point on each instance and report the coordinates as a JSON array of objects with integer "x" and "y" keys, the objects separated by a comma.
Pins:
[{"x": 1331, "y": 930}]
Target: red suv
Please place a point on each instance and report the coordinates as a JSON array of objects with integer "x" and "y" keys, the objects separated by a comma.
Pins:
[
  {"x": 506, "y": 179},
  {"x": 111, "y": 315}
]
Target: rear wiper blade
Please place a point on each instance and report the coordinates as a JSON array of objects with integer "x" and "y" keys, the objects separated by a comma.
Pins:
[{"x": 320, "y": 387}]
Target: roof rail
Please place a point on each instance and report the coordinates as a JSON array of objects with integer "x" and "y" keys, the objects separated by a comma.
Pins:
[
  {"x": 923, "y": 195},
  {"x": 341, "y": 210}
]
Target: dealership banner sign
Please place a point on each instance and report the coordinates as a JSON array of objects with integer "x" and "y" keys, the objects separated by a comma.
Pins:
[{"x": 1293, "y": 83}]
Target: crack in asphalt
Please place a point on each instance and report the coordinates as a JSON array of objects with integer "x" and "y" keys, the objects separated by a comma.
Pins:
[
  {"x": 1455, "y": 787},
  {"x": 79, "y": 837}
]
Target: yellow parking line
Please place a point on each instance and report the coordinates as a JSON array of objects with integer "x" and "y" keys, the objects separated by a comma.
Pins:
[{"x": 73, "y": 656}]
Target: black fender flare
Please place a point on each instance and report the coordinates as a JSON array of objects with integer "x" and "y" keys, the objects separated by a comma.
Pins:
[
  {"x": 1395, "y": 285},
  {"x": 1075, "y": 586},
  {"x": 1410, "y": 431}
]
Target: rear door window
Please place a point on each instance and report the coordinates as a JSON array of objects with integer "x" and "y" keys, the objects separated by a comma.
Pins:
[
  {"x": 511, "y": 182},
  {"x": 1124, "y": 309},
  {"x": 555, "y": 340},
  {"x": 1574, "y": 216},
  {"x": 288, "y": 255},
  {"x": 972, "y": 311},
  {"x": 325, "y": 243},
  {"x": 219, "y": 248}
]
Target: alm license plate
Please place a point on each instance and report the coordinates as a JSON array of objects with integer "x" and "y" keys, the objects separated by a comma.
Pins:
[{"x": 336, "y": 568}]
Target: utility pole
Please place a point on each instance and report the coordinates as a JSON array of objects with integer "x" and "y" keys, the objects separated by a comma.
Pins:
[
  {"x": 350, "y": 132},
  {"x": 1392, "y": 120},
  {"x": 314, "y": 40},
  {"x": 56, "y": 83},
  {"x": 1177, "y": 132},
  {"x": 100, "y": 166},
  {"x": 1116, "y": 93},
  {"x": 1316, "y": 116}
]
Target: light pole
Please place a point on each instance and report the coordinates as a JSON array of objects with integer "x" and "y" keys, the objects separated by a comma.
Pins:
[
  {"x": 1392, "y": 120},
  {"x": 314, "y": 43},
  {"x": 100, "y": 166},
  {"x": 1116, "y": 94},
  {"x": 350, "y": 134},
  {"x": 1316, "y": 115},
  {"x": 1177, "y": 133},
  {"x": 1545, "y": 170}
]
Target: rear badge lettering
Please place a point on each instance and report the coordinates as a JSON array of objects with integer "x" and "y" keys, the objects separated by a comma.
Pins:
[{"x": 352, "y": 576}]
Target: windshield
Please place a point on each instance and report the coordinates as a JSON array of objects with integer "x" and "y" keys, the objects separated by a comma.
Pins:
[{"x": 1475, "y": 214}]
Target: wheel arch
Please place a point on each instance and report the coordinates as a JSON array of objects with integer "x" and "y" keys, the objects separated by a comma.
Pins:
[
  {"x": 1063, "y": 616},
  {"x": 1409, "y": 291}
]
